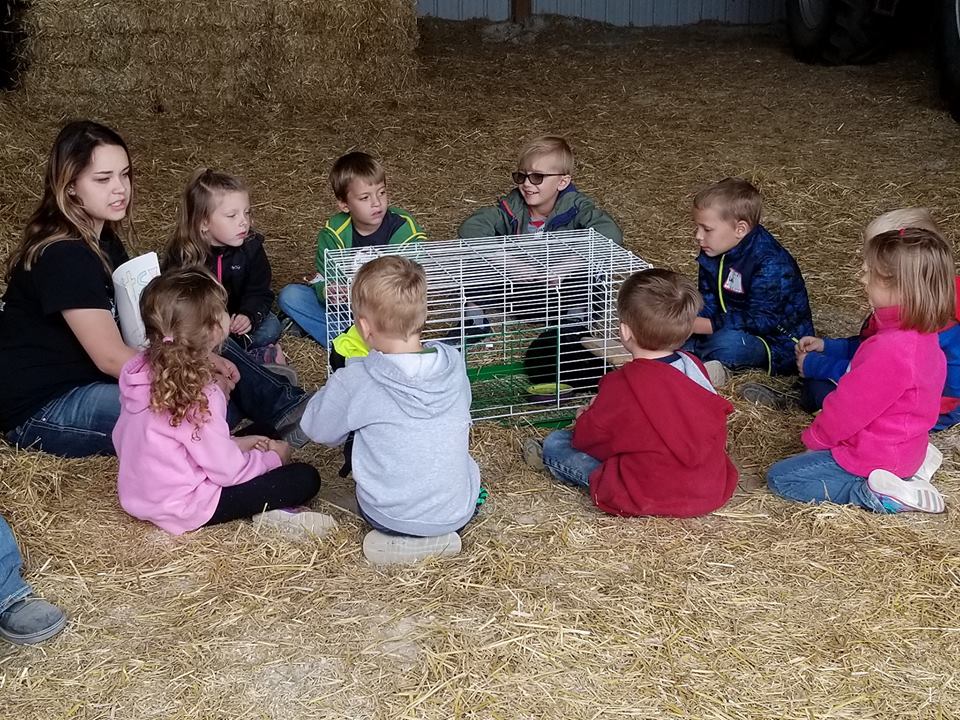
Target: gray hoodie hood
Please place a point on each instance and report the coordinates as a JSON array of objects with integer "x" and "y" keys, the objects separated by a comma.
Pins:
[{"x": 420, "y": 383}]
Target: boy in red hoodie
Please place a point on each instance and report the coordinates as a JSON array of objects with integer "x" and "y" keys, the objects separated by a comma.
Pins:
[{"x": 653, "y": 440}]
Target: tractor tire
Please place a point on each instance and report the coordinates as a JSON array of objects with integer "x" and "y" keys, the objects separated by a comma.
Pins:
[
  {"x": 837, "y": 32},
  {"x": 948, "y": 55},
  {"x": 12, "y": 42}
]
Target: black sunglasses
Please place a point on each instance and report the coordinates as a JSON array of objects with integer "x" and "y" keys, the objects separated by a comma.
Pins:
[{"x": 535, "y": 178}]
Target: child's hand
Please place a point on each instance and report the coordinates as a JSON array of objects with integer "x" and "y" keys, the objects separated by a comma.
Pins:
[
  {"x": 801, "y": 356},
  {"x": 809, "y": 343},
  {"x": 313, "y": 278},
  {"x": 225, "y": 373},
  {"x": 252, "y": 442},
  {"x": 240, "y": 324},
  {"x": 280, "y": 448},
  {"x": 338, "y": 293}
]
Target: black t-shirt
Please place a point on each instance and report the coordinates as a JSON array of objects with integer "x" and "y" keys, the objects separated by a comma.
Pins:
[
  {"x": 381, "y": 236},
  {"x": 40, "y": 357}
]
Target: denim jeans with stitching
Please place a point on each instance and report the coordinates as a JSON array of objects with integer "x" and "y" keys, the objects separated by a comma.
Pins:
[
  {"x": 566, "y": 463},
  {"x": 80, "y": 422},
  {"x": 816, "y": 477},
  {"x": 301, "y": 304},
  {"x": 733, "y": 348},
  {"x": 12, "y": 586}
]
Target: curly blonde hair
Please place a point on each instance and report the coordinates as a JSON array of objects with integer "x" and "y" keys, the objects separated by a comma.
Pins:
[{"x": 182, "y": 312}]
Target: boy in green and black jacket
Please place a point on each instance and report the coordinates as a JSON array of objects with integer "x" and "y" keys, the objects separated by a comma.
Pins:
[{"x": 365, "y": 219}]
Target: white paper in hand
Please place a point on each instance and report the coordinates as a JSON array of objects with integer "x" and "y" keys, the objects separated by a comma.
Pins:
[{"x": 129, "y": 280}]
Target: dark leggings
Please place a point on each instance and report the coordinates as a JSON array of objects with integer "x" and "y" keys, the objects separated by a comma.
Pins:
[
  {"x": 282, "y": 487},
  {"x": 814, "y": 392},
  {"x": 338, "y": 361}
]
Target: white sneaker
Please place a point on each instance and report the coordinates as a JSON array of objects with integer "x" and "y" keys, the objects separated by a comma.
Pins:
[
  {"x": 717, "y": 372},
  {"x": 931, "y": 463},
  {"x": 899, "y": 495},
  {"x": 382, "y": 549},
  {"x": 298, "y": 519}
]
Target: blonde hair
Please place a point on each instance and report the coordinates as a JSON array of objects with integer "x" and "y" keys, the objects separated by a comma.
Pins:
[
  {"x": 918, "y": 264},
  {"x": 659, "y": 306},
  {"x": 60, "y": 215},
  {"x": 187, "y": 245},
  {"x": 547, "y": 145},
  {"x": 353, "y": 166},
  {"x": 734, "y": 198},
  {"x": 914, "y": 217},
  {"x": 181, "y": 309},
  {"x": 391, "y": 292}
]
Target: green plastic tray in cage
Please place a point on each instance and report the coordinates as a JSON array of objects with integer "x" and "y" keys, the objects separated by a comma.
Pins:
[{"x": 497, "y": 386}]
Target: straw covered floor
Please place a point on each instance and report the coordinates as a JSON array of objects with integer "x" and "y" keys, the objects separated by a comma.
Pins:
[{"x": 763, "y": 610}]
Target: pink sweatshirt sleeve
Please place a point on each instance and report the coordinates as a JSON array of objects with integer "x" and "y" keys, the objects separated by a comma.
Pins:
[
  {"x": 877, "y": 378},
  {"x": 218, "y": 455}
]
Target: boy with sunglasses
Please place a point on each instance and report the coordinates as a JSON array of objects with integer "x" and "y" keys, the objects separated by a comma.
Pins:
[{"x": 544, "y": 200}]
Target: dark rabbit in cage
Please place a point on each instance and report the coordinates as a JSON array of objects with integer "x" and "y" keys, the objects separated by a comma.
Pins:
[{"x": 556, "y": 355}]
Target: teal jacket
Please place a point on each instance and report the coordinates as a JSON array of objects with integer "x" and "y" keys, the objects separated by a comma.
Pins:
[{"x": 573, "y": 211}]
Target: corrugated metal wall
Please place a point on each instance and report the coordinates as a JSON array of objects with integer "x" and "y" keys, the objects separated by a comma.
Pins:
[
  {"x": 496, "y": 10},
  {"x": 641, "y": 13}
]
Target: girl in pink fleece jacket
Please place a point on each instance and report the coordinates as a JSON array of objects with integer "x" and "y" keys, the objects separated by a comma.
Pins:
[
  {"x": 869, "y": 445},
  {"x": 179, "y": 467}
]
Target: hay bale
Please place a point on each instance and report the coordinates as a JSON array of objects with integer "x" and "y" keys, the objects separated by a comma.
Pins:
[{"x": 182, "y": 55}]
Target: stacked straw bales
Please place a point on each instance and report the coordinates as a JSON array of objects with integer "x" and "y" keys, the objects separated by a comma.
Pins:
[{"x": 183, "y": 54}]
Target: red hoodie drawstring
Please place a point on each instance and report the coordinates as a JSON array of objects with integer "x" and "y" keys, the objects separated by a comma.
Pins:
[{"x": 220, "y": 269}]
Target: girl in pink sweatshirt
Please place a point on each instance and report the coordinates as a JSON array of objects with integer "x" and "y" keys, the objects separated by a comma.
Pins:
[
  {"x": 179, "y": 467},
  {"x": 869, "y": 445}
]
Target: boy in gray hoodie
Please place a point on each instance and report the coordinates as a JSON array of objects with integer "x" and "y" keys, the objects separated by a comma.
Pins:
[{"x": 408, "y": 405}]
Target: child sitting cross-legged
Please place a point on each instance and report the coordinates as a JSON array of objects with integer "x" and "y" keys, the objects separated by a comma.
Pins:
[
  {"x": 214, "y": 228},
  {"x": 179, "y": 467},
  {"x": 823, "y": 361},
  {"x": 869, "y": 445},
  {"x": 366, "y": 220},
  {"x": 653, "y": 441},
  {"x": 755, "y": 299},
  {"x": 408, "y": 406}
]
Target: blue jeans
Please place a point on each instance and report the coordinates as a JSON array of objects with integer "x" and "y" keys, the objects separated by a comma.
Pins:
[
  {"x": 564, "y": 462},
  {"x": 76, "y": 424},
  {"x": 12, "y": 586},
  {"x": 733, "y": 348},
  {"x": 300, "y": 302},
  {"x": 267, "y": 333},
  {"x": 80, "y": 422},
  {"x": 260, "y": 395},
  {"x": 816, "y": 477}
]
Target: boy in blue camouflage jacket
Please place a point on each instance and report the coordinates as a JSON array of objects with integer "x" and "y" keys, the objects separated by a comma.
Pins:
[{"x": 755, "y": 300}]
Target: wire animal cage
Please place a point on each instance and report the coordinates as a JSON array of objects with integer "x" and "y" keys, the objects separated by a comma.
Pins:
[{"x": 519, "y": 308}]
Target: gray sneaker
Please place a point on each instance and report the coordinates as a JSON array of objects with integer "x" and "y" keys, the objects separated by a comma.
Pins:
[
  {"x": 718, "y": 373},
  {"x": 289, "y": 425},
  {"x": 289, "y": 326},
  {"x": 764, "y": 395},
  {"x": 31, "y": 621},
  {"x": 284, "y": 371},
  {"x": 532, "y": 449}
]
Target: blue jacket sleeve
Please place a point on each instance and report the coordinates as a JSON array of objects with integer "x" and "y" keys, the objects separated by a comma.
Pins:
[{"x": 833, "y": 362}]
